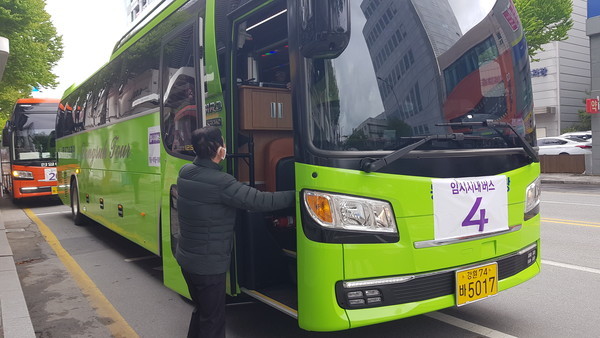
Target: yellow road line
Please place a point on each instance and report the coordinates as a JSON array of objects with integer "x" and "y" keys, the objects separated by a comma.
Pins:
[
  {"x": 571, "y": 222},
  {"x": 118, "y": 326}
]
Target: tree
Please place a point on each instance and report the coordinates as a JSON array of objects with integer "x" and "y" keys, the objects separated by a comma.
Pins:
[
  {"x": 584, "y": 123},
  {"x": 35, "y": 48},
  {"x": 544, "y": 21}
]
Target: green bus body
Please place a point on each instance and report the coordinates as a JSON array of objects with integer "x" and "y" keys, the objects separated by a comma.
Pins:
[{"x": 125, "y": 179}]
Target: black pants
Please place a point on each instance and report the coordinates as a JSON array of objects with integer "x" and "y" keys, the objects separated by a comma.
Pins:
[{"x": 208, "y": 294}]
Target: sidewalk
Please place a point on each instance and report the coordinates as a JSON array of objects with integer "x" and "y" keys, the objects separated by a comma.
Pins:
[
  {"x": 15, "y": 321},
  {"x": 570, "y": 179}
]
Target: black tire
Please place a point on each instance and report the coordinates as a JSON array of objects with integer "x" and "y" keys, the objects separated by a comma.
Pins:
[
  {"x": 15, "y": 201},
  {"x": 78, "y": 217},
  {"x": 564, "y": 153}
]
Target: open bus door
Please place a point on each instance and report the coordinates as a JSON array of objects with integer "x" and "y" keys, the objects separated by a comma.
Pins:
[{"x": 261, "y": 104}]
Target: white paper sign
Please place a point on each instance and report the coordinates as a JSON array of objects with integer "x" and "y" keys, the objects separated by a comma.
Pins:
[
  {"x": 471, "y": 206},
  {"x": 154, "y": 146},
  {"x": 50, "y": 174}
]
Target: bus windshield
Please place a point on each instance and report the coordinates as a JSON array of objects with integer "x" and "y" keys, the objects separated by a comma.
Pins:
[
  {"x": 420, "y": 68},
  {"x": 34, "y": 131}
]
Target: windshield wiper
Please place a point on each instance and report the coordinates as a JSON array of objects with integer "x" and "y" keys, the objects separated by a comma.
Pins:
[
  {"x": 493, "y": 125},
  {"x": 369, "y": 164}
]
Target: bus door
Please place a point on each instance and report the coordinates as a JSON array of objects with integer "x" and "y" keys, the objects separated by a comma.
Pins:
[
  {"x": 263, "y": 141},
  {"x": 182, "y": 111}
]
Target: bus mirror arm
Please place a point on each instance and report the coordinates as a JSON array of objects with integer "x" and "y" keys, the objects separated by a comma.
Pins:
[
  {"x": 369, "y": 164},
  {"x": 496, "y": 124}
]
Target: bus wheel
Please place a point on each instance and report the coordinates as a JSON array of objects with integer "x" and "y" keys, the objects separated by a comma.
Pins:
[{"x": 78, "y": 218}]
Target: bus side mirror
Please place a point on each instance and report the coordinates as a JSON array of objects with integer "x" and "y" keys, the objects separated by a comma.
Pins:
[{"x": 325, "y": 30}]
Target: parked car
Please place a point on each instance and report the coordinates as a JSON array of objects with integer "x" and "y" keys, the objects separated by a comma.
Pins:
[
  {"x": 562, "y": 145},
  {"x": 586, "y": 135}
]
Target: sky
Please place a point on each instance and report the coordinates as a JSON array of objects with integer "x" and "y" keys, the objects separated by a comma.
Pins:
[
  {"x": 467, "y": 19},
  {"x": 90, "y": 29}
]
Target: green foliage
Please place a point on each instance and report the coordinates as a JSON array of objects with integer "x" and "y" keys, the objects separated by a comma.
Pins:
[
  {"x": 35, "y": 48},
  {"x": 584, "y": 124},
  {"x": 544, "y": 21}
]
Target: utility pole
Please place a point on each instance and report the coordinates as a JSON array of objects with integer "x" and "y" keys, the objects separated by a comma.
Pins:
[{"x": 593, "y": 31}]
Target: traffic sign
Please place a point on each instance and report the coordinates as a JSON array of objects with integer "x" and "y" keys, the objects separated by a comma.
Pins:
[{"x": 591, "y": 106}]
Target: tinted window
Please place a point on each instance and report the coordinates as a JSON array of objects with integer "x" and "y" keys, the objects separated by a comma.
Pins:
[
  {"x": 125, "y": 87},
  {"x": 179, "y": 93},
  {"x": 138, "y": 78},
  {"x": 34, "y": 136}
]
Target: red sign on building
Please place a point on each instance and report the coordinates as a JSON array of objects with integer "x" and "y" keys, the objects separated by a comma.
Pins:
[{"x": 591, "y": 106}]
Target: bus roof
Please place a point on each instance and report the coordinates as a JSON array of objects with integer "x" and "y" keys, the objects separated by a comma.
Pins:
[{"x": 36, "y": 100}]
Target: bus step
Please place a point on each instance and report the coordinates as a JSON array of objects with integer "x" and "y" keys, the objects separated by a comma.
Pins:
[
  {"x": 289, "y": 253},
  {"x": 281, "y": 297}
]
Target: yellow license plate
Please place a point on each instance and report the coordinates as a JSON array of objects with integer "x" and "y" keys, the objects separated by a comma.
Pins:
[
  {"x": 476, "y": 283},
  {"x": 54, "y": 190}
]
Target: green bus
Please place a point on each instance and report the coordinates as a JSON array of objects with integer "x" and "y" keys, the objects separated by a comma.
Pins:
[{"x": 405, "y": 127}]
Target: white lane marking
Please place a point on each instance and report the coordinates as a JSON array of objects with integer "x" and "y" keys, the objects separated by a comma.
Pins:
[
  {"x": 571, "y": 266},
  {"x": 54, "y": 213},
  {"x": 570, "y": 193},
  {"x": 463, "y": 324},
  {"x": 582, "y": 204},
  {"x": 129, "y": 260}
]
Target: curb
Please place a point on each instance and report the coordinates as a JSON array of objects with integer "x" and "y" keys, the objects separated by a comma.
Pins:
[
  {"x": 586, "y": 180},
  {"x": 15, "y": 321}
]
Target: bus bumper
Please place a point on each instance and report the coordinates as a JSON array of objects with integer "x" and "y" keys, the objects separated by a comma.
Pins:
[
  {"x": 23, "y": 191},
  {"x": 513, "y": 269}
]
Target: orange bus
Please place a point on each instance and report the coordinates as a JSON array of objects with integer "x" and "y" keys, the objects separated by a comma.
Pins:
[{"x": 30, "y": 140}]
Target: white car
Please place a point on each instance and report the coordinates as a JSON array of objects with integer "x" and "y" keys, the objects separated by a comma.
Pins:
[
  {"x": 586, "y": 135},
  {"x": 562, "y": 145}
]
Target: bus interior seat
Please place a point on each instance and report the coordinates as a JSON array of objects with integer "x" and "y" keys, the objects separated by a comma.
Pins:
[
  {"x": 279, "y": 164},
  {"x": 279, "y": 176},
  {"x": 284, "y": 174}
]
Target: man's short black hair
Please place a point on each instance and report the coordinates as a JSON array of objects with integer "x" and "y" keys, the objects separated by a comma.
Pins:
[{"x": 206, "y": 141}]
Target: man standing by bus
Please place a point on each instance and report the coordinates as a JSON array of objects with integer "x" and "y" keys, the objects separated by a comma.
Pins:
[{"x": 207, "y": 203}]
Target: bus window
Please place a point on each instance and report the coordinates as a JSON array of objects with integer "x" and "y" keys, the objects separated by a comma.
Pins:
[{"x": 179, "y": 94}]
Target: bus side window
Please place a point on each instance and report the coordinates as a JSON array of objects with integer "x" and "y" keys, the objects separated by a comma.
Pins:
[{"x": 180, "y": 110}]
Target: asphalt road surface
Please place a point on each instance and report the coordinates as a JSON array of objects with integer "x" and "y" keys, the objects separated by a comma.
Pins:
[{"x": 101, "y": 285}]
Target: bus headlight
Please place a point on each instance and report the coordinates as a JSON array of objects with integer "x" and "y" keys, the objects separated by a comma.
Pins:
[
  {"x": 350, "y": 213},
  {"x": 532, "y": 196},
  {"x": 22, "y": 175}
]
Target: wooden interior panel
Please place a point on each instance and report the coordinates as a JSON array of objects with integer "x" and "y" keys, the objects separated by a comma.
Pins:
[{"x": 261, "y": 139}]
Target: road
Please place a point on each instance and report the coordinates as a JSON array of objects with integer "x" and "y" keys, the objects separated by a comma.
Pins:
[{"x": 564, "y": 300}]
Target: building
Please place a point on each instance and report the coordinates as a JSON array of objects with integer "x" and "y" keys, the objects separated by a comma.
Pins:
[
  {"x": 4, "y": 50},
  {"x": 412, "y": 82},
  {"x": 561, "y": 77},
  {"x": 137, "y": 8},
  {"x": 593, "y": 31}
]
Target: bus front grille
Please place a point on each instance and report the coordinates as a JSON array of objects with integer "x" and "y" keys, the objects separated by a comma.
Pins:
[{"x": 425, "y": 286}]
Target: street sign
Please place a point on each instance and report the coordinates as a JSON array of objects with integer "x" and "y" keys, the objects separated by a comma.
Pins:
[{"x": 591, "y": 106}]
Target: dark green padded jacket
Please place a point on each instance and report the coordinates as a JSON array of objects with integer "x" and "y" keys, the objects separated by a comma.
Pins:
[{"x": 206, "y": 204}]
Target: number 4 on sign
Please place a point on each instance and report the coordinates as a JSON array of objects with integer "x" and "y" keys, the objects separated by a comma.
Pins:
[{"x": 468, "y": 221}]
